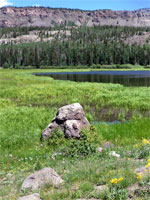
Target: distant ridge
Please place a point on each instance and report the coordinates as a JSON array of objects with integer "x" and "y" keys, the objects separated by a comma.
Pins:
[{"x": 41, "y": 16}]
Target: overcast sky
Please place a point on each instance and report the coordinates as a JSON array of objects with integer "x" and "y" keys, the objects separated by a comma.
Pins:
[{"x": 81, "y": 4}]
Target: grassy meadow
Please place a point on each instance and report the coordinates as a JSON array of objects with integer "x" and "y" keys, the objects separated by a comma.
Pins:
[{"x": 27, "y": 105}]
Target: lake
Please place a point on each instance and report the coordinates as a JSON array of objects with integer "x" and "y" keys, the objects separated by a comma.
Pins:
[{"x": 126, "y": 78}]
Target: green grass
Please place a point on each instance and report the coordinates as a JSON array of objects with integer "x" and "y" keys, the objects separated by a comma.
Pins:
[
  {"x": 28, "y": 104},
  {"x": 95, "y": 67},
  {"x": 126, "y": 133}
]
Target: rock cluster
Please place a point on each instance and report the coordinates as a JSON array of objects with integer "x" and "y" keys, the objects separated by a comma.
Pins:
[{"x": 71, "y": 119}]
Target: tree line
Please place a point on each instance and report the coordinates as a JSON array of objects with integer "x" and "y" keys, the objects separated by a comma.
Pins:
[{"x": 100, "y": 45}]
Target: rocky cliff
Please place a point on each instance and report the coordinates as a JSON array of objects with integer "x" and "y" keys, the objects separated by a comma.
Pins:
[{"x": 34, "y": 16}]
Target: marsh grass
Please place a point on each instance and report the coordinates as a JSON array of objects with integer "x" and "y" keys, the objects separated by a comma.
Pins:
[{"x": 28, "y": 104}]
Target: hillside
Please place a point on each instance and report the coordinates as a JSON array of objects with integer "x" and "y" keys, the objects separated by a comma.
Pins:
[{"x": 40, "y": 16}]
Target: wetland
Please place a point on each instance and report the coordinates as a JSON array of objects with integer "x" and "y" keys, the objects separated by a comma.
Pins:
[{"x": 27, "y": 105}]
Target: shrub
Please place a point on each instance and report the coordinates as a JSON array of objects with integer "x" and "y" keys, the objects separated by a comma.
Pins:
[
  {"x": 86, "y": 145},
  {"x": 147, "y": 67},
  {"x": 6, "y": 65},
  {"x": 57, "y": 138},
  {"x": 73, "y": 147}
]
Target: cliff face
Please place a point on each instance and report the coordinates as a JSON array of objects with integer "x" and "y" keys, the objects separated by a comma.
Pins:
[{"x": 33, "y": 16}]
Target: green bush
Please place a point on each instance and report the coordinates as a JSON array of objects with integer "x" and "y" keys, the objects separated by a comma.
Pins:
[
  {"x": 6, "y": 65},
  {"x": 57, "y": 138},
  {"x": 75, "y": 147},
  {"x": 84, "y": 146},
  {"x": 147, "y": 67}
]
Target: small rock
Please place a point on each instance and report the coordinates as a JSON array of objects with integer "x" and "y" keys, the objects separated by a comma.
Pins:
[
  {"x": 143, "y": 170},
  {"x": 41, "y": 178},
  {"x": 132, "y": 188},
  {"x": 140, "y": 170},
  {"x": 35, "y": 196},
  {"x": 101, "y": 188},
  {"x": 113, "y": 153},
  {"x": 100, "y": 149},
  {"x": 108, "y": 145}
]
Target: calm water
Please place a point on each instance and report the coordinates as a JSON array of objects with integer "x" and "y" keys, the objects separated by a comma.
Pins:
[{"x": 126, "y": 78}]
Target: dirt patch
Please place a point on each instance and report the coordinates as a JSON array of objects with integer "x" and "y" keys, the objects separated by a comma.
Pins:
[{"x": 139, "y": 39}]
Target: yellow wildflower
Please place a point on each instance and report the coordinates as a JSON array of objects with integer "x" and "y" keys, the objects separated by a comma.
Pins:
[
  {"x": 148, "y": 165},
  {"x": 136, "y": 146},
  {"x": 139, "y": 176},
  {"x": 144, "y": 141},
  {"x": 116, "y": 180},
  {"x": 120, "y": 179}
]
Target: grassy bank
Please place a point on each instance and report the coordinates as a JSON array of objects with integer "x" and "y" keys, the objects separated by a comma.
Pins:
[
  {"x": 86, "y": 67},
  {"x": 28, "y": 103}
]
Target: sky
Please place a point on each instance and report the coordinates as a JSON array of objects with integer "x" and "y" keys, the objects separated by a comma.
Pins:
[{"x": 81, "y": 4}]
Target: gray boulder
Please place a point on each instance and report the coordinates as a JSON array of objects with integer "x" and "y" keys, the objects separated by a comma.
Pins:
[
  {"x": 71, "y": 119},
  {"x": 35, "y": 196},
  {"x": 41, "y": 178},
  {"x": 69, "y": 112}
]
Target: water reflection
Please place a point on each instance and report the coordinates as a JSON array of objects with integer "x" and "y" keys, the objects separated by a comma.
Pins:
[{"x": 126, "y": 78}]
